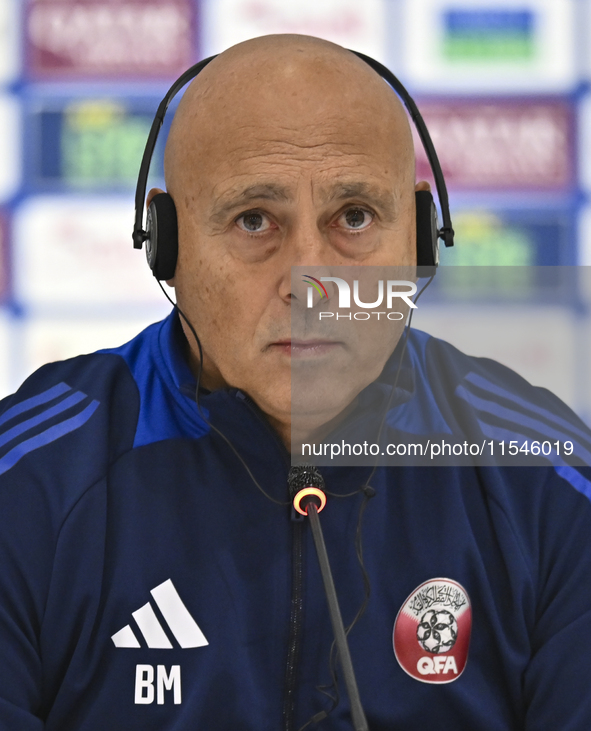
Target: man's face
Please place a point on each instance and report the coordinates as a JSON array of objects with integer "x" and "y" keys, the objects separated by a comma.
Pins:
[{"x": 292, "y": 174}]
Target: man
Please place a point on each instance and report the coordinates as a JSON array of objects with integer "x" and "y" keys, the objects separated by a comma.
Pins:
[{"x": 153, "y": 573}]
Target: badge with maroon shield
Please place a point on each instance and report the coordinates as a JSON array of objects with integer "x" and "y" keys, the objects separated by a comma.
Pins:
[{"x": 432, "y": 632}]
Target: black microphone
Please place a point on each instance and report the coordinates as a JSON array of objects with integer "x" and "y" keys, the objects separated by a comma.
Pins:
[
  {"x": 306, "y": 489},
  {"x": 306, "y": 485}
]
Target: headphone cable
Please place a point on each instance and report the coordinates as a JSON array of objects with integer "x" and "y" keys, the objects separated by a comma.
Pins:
[{"x": 200, "y": 408}]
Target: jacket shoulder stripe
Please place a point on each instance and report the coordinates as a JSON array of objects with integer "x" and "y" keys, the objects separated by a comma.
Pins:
[
  {"x": 24, "y": 426},
  {"x": 568, "y": 473},
  {"x": 38, "y": 400},
  {"x": 575, "y": 478},
  {"x": 503, "y": 434},
  {"x": 46, "y": 437},
  {"x": 495, "y": 390},
  {"x": 520, "y": 420}
]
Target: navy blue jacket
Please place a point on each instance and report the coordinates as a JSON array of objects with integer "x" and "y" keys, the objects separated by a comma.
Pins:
[{"x": 145, "y": 582}]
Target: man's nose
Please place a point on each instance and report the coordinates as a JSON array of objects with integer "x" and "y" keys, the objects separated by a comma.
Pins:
[
  {"x": 306, "y": 257},
  {"x": 308, "y": 243}
]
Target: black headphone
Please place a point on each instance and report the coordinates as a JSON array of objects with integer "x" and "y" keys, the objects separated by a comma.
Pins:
[{"x": 161, "y": 233}]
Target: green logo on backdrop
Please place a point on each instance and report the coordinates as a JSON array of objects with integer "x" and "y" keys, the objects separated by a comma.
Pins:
[{"x": 101, "y": 144}]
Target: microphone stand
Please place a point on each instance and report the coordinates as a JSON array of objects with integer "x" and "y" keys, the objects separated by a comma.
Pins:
[
  {"x": 359, "y": 720},
  {"x": 308, "y": 501}
]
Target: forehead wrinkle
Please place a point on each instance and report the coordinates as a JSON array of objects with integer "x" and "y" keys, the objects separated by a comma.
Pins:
[
  {"x": 358, "y": 189},
  {"x": 236, "y": 197},
  {"x": 272, "y": 153},
  {"x": 320, "y": 132},
  {"x": 264, "y": 146}
]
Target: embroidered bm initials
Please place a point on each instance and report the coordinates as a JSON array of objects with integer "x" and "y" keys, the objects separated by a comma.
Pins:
[{"x": 144, "y": 684}]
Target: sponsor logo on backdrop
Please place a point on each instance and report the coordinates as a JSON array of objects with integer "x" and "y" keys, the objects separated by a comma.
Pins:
[
  {"x": 489, "y": 35},
  {"x": 498, "y": 144},
  {"x": 485, "y": 45},
  {"x": 67, "y": 38},
  {"x": 74, "y": 251},
  {"x": 92, "y": 143},
  {"x": 350, "y": 23}
]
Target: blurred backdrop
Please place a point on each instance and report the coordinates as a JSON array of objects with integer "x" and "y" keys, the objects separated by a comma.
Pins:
[{"x": 504, "y": 86}]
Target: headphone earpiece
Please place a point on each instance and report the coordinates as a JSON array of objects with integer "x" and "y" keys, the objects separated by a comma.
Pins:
[
  {"x": 162, "y": 240},
  {"x": 162, "y": 234},
  {"x": 427, "y": 230}
]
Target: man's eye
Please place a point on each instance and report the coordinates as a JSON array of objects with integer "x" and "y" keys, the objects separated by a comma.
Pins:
[
  {"x": 253, "y": 222},
  {"x": 355, "y": 219}
]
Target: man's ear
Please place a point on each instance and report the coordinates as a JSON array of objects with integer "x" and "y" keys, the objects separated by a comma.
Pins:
[
  {"x": 421, "y": 185},
  {"x": 151, "y": 194}
]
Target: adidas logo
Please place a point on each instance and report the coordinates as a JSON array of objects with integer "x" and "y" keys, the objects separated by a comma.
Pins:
[{"x": 181, "y": 624}]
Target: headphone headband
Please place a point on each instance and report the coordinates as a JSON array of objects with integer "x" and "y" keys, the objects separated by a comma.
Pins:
[
  {"x": 446, "y": 232},
  {"x": 139, "y": 235}
]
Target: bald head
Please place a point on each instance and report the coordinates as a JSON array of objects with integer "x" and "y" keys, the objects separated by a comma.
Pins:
[{"x": 296, "y": 89}]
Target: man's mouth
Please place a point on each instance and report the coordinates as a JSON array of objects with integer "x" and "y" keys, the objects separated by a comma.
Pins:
[{"x": 305, "y": 348}]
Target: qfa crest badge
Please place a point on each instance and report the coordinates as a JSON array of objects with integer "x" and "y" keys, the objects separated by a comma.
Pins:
[{"x": 432, "y": 632}]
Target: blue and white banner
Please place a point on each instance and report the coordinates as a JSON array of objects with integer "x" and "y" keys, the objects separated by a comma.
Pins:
[{"x": 10, "y": 146}]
